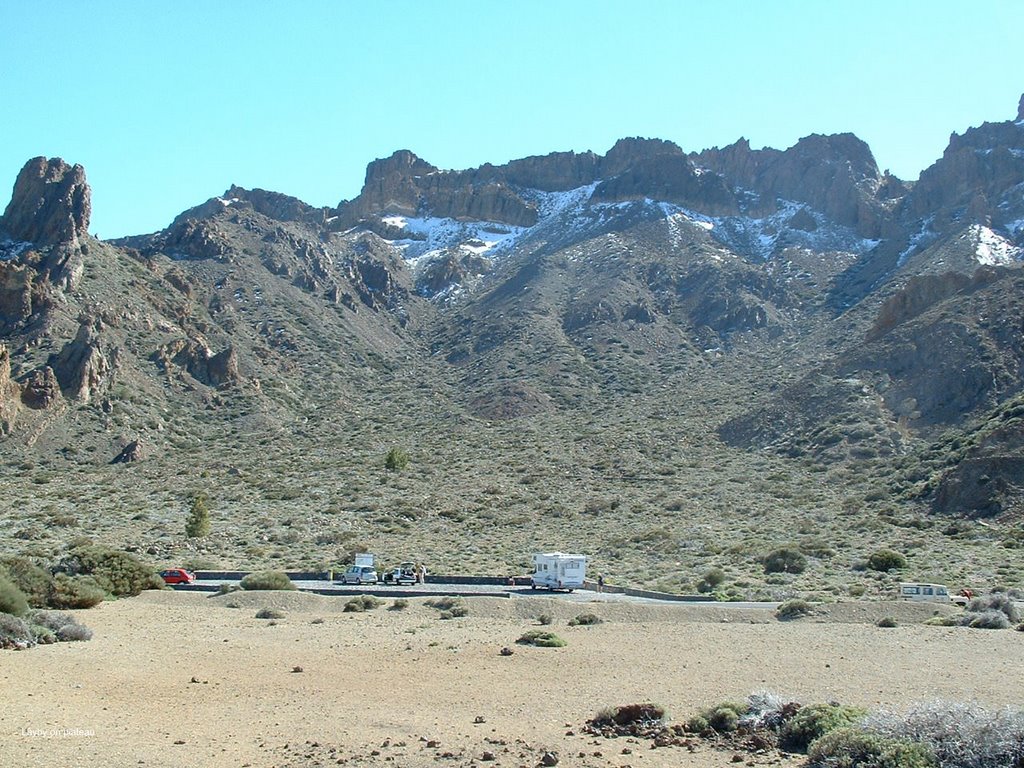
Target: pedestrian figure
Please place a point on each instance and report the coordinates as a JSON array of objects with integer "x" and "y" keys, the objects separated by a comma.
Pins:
[
  {"x": 423, "y": 573},
  {"x": 600, "y": 582}
]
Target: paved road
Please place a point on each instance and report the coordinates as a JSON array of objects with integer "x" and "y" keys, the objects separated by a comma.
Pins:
[{"x": 429, "y": 589}]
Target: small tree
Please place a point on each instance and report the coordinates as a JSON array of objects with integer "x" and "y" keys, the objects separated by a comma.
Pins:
[
  {"x": 396, "y": 460},
  {"x": 886, "y": 560},
  {"x": 198, "y": 523},
  {"x": 785, "y": 560}
]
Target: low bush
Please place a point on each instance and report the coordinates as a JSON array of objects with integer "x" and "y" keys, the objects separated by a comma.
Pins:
[
  {"x": 269, "y": 613},
  {"x": 541, "y": 639},
  {"x": 400, "y": 604},
  {"x": 74, "y": 633},
  {"x": 958, "y": 735},
  {"x": 42, "y": 635},
  {"x": 792, "y": 609},
  {"x": 15, "y": 632},
  {"x": 785, "y": 560},
  {"x": 74, "y": 592},
  {"x": 856, "y": 748},
  {"x": 117, "y": 573},
  {"x": 33, "y": 580},
  {"x": 886, "y": 560},
  {"x": 997, "y": 601},
  {"x": 585, "y": 620},
  {"x": 886, "y": 622},
  {"x": 449, "y": 607},
  {"x": 814, "y": 721},
  {"x": 990, "y": 619},
  {"x": 52, "y": 620},
  {"x": 362, "y": 603},
  {"x": 544, "y": 619},
  {"x": 226, "y": 589},
  {"x": 267, "y": 580},
  {"x": 12, "y": 599},
  {"x": 723, "y": 719},
  {"x": 630, "y": 714}
]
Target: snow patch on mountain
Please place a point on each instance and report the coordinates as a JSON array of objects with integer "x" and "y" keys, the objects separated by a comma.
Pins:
[
  {"x": 12, "y": 249},
  {"x": 918, "y": 241},
  {"x": 991, "y": 248}
]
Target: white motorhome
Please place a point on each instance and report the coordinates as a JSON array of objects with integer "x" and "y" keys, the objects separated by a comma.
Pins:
[
  {"x": 557, "y": 570},
  {"x": 935, "y": 593}
]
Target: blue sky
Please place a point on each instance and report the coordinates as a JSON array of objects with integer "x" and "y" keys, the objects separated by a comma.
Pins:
[{"x": 168, "y": 103}]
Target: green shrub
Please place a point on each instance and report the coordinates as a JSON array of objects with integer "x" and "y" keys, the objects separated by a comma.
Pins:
[
  {"x": 269, "y": 613},
  {"x": 267, "y": 580},
  {"x": 886, "y": 560},
  {"x": 886, "y": 622},
  {"x": 585, "y": 620},
  {"x": 399, "y": 604},
  {"x": 361, "y": 603},
  {"x": 33, "y": 580},
  {"x": 723, "y": 718},
  {"x": 74, "y": 592},
  {"x": 15, "y": 632},
  {"x": 712, "y": 579},
  {"x": 117, "y": 573},
  {"x": 42, "y": 635},
  {"x": 541, "y": 639},
  {"x": 855, "y": 748},
  {"x": 785, "y": 560},
  {"x": 544, "y": 619},
  {"x": 697, "y": 724},
  {"x": 226, "y": 589},
  {"x": 197, "y": 524},
  {"x": 396, "y": 460},
  {"x": 814, "y": 721},
  {"x": 792, "y": 609},
  {"x": 12, "y": 599}
]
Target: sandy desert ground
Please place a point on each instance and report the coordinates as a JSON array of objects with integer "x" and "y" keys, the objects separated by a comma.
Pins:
[{"x": 176, "y": 679}]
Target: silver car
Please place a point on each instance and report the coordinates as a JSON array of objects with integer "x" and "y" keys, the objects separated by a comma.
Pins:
[{"x": 359, "y": 574}]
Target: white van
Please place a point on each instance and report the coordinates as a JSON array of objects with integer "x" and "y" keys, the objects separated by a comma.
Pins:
[
  {"x": 557, "y": 570},
  {"x": 935, "y": 593}
]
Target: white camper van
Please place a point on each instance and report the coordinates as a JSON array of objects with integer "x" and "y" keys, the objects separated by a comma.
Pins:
[
  {"x": 557, "y": 570},
  {"x": 932, "y": 593}
]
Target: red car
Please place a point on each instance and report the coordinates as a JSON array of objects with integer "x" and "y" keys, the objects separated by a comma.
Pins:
[{"x": 177, "y": 576}]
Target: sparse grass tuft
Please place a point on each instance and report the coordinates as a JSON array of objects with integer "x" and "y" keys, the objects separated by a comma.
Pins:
[
  {"x": 585, "y": 620},
  {"x": 362, "y": 603},
  {"x": 541, "y": 639}
]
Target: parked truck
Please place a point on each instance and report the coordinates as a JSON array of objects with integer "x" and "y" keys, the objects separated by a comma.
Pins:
[{"x": 558, "y": 570}]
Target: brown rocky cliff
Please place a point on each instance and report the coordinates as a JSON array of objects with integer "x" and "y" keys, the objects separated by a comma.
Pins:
[
  {"x": 50, "y": 205},
  {"x": 81, "y": 367}
]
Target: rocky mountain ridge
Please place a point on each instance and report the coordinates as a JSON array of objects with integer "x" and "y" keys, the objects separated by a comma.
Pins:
[{"x": 797, "y": 304}]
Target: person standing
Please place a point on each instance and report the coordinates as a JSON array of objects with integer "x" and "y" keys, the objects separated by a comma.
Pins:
[
  {"x": 423, "y": 573},
  {"x": 600, "y": 582}
]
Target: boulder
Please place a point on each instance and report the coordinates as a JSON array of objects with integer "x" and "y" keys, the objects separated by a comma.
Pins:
[
  {"x": 15, "y": 294},
  {"x": 131, "y": 452}
]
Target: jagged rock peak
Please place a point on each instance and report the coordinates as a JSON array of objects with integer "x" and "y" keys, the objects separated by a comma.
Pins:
[
  {"x": 628, "y": 151},
  {"x": 401, "y": 162},
  {"x": 51, "y": 203},
  {"x": 1020, "y": 109}
]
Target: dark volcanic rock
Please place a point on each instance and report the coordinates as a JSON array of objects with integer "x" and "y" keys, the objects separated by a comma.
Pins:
[
  {"x": 15, "y": 294},
  {"x": 131, "y": 452},
  {"x": 41, "y": 389},
  {"x": 50, "y": 204},
  {"x": 8, "y": 392}
]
